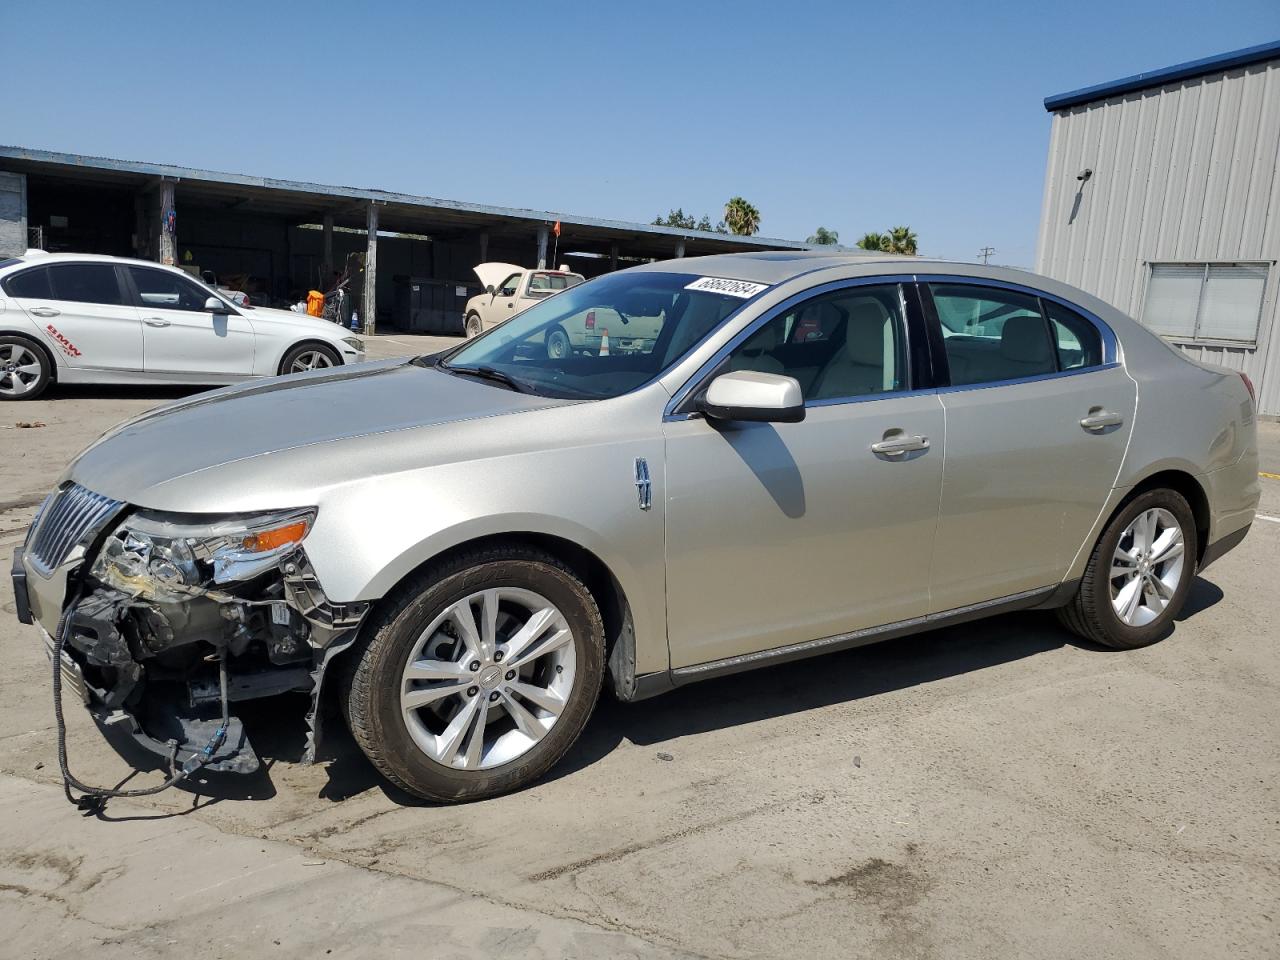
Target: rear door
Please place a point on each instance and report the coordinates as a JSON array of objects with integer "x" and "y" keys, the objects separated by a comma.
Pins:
[
  {"x": 84, "y": 313},
  {"x": 180, "y": 336},
  {"x": 1038, "y": 417}
]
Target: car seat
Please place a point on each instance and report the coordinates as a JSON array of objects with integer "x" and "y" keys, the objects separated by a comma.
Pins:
[{"x": 860, "y": 367}]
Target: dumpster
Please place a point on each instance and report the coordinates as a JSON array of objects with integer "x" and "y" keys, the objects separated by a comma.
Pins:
[{"x": 424, "y": 305}]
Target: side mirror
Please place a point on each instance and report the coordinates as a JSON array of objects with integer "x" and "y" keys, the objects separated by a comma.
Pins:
[
  {"x": 216, "y": 307},
  {"x": 753, "y": 396},
  {"x": 489, "y": 289}
]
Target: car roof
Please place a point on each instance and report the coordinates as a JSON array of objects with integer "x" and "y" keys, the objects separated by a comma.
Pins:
[
  {"x": 773, "y": 266},
  {"x": 40, "y": 257}
]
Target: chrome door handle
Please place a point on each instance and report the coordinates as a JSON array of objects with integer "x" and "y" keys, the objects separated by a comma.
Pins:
[
  {"x": 155, "y": 322},
  {"x": 897, "y": 446},
  {"x": 1101, "y": 420},
  {"x": 45, "y": 311}
]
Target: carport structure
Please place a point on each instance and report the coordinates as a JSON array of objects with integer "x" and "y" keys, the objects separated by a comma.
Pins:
[{"x": 293, "y": 236}]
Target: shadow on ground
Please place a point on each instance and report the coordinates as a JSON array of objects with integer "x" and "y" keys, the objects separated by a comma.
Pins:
[
  {"x": 102, "y": 391},
  {"x": 277, "y": 729}
]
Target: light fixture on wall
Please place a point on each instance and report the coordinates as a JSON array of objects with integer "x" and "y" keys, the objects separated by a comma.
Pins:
[{"x": 1084, "y": 174}]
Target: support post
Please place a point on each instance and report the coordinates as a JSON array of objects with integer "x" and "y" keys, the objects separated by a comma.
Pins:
[
  {"x": 326, "y": 258},
  {"x": 369, "y": 302},
  {"x": 167, "y": 232},
  {"x": 14, "y": 239},
  {"x": 680, "y": 248},
  {"x": 543, "y": 233},
  {"x": 613, "y": 256},
  {"x": 484, "y": 246}
]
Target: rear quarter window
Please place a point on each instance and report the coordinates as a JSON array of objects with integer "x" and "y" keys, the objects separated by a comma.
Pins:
[{"x": 29, "y": 285}]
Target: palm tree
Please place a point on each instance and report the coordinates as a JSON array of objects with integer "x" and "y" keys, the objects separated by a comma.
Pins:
[
  {"x": 874, "y": 241},
  {"x": 902, "y": 240},
  {"x": 741, "y": 217},
  {"x": 824, "y": 237}
]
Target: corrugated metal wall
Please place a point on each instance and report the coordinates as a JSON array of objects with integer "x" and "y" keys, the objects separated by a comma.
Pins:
[{"x": 1188, "y": 172}]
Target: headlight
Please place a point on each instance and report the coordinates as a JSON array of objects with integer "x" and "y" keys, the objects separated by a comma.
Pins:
[
  {"x": 355, "y": 343},
  {"x": 162, "y": 559}
]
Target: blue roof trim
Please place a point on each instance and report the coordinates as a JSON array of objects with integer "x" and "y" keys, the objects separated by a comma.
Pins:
[{"x": 1158, "y": 78}]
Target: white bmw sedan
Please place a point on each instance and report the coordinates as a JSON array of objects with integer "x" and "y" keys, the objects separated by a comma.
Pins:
[{"x": 81, "y": 318}]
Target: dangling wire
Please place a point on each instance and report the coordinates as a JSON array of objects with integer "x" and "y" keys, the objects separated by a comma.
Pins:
[{"x": 93, "y": 799}]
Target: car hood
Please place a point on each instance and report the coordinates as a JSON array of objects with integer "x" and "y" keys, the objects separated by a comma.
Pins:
[
  {"x": 492, "y": 274},
  {"x": 304, "y": 321},
  {"x": 271, "y": 418}
]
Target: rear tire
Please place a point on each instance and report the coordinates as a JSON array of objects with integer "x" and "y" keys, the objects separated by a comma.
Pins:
[
  {"x": 1136, "y": 581},
  {"x": 25, "y": 369},
  {"x": 558, "y": 346},
  {"x": 412, "y": 745}
]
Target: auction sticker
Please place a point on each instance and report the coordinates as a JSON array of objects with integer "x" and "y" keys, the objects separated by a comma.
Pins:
[{"x": 732, "y": 288}]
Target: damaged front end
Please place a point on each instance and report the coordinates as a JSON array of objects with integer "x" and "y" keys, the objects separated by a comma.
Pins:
[{"x": 171, "y": 617}]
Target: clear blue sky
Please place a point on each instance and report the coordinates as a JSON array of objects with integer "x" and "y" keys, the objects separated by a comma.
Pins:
[{"x": 854, "y": 115}]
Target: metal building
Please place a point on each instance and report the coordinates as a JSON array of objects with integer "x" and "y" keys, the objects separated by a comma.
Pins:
[
  {"x": 1162, "y": 197},
  {"x": 289, "y": 236}
]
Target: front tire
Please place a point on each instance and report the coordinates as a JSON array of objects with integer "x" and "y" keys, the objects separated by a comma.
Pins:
[
  {"x": 474, "y": 327},
  {"x": 309, "y": 356},
  {"x": 25, "y": 369},
  {"x": 1138, "y": 575},
  {"x": 477, "y": 675}
]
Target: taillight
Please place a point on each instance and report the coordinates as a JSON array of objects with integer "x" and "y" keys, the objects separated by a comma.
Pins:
[
  {"x": 591, "y": 325},
  {"x": 1248, "y": 385}
]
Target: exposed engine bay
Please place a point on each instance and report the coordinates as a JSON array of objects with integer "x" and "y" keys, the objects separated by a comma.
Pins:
[{"x": 177, "y": 619}]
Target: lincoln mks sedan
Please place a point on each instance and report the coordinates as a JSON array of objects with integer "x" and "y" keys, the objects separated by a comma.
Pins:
[{"x": 458, "y": 553}]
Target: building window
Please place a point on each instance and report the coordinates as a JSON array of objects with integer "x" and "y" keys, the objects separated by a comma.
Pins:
[{"x": 1205, "y": 301}]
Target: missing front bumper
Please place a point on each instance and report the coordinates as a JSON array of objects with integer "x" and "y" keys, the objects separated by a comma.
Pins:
[
  {"x": 143, "y": 669},
  {"x": 184, "y": 734}
]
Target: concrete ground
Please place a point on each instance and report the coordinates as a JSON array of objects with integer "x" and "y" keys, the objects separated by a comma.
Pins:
[{"x": 991, "y": 790}]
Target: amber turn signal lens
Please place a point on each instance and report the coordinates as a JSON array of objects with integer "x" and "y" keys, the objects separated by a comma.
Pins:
[{"x": 265, "y": 540}]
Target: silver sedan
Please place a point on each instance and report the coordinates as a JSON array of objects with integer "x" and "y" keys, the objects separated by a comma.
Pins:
[{"x": 817, "y": 451}]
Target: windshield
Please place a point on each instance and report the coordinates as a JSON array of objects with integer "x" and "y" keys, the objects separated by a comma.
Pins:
[{"x": 599, "y": 339}]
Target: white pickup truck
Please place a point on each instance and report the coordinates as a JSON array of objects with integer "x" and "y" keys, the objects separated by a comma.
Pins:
[{"x": 510, "y": 289}]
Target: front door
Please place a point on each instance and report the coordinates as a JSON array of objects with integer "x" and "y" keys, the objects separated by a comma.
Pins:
[
  {"x": 83, "y": 312},
  {"x": 181, "y": 337},
  {"x": 506, "y": 300},
  {"x": 782, "y": 533},
  {"x": 1038, "y": 419}
]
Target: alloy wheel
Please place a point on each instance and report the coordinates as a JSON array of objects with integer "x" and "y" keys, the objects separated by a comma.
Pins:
[
  {"x": 488, "y": 679},
  {"x": 1147, "y": 566},
  {"x": 310, "y": 360},
  {"x": 19, "y": 369}
]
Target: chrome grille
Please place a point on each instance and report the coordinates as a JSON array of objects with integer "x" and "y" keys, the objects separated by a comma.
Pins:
[{"x": 72, "y": 516}]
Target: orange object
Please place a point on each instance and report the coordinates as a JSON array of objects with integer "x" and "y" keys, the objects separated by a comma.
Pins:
[
  {"x": 556, "y": 228},
  {"x": 315, "y": 303},
  {"x": 270, "y": 539}
]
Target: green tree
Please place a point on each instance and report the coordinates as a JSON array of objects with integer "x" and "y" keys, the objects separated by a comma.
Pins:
[
  {"x": 741, "y": 217},
  {"x": 874, "y": 241},
  {"x": 677, "y": 218},
  {"x": 824, "y": 237},
  {"x": 902, "y": 240}
]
